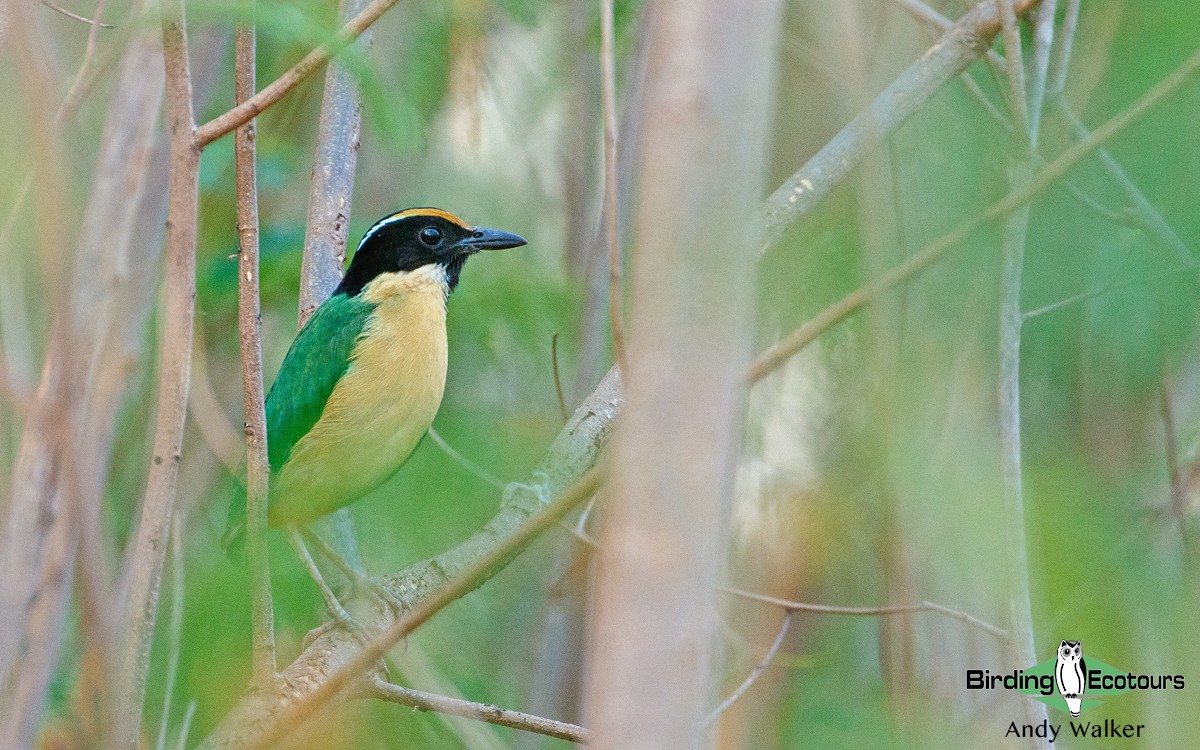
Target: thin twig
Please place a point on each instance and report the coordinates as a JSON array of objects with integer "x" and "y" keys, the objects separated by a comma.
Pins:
[
  {"x": 608, "y": 85},
  {"x": 899, "y": 609},
  {"x": 443, "y": 704},
  {"x": 150, "y": 542},
  {"x": 1171, "y": 447},
  {"x": 346, "y": 675},
  {"x": 258, "y": 468},
  {"x": 186, "y": 726},
  {"x": 312, "y": 62},
  {"x": 1120, "y": 218},
  {"x": 175, "y": 633},
  {"x": 1058, "y": 81},
  {"x": 1017, "y": 97},
  {"x": 465, "y": 462},
  {"x": 558, "y": 389},
  {"x": 77, "y": 17},
  {"x": 782, "y": 350},
  {"x": 1043, "y": 41},
  {"x": 754, "y": 673},
  {"x": 1111, "y": 286}
]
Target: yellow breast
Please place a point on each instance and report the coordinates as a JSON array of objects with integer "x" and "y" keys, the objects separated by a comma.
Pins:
[{"x": 381, "y": 407}]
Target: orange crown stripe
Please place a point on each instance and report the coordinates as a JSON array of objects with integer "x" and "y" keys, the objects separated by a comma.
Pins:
[{"x": 431, "y": 212}]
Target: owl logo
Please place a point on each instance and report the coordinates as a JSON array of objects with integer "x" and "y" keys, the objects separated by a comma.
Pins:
[{"x": 1070, "y": 674}]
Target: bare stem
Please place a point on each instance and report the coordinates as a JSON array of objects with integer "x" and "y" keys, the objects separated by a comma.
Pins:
[
  {"x": 423, "y": 701},
  {"x": 150, "y": 542},
  {"x": 754, "y": 673},
  {"x": 778, "y": 353},
  {"x": 94, "y": 24},
  {"x": 608, "y": 85},
  {"x": 1017, "y": 98},
  {"x": 899, "y": 609},
  {"x": 258, "y": 467}
]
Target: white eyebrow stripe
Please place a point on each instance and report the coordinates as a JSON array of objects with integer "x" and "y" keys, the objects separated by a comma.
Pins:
[
  {"x": 378, "y": 225},
  {"x": 407, "y": 213}
]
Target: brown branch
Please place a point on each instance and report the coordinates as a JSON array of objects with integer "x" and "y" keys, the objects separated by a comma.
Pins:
[
  {"x": 262, "y": 613},
  {"x": 312, "y": 62},
  {"x": 608, "y": 85},
  {"x": 962, "y": 44},
  {"x": 455, "y": 588},
  {"x": 260, "y": 718},
  {"x": 898, "y": 609},
  {"x": 150, "y": 542},
  {"x": 756, "y": 672},
  {"x": 504, "y": 717},
  {"x": 779, "y": 352},
  {"x": 94, "y": 24},
  {"x": 328, "y": 223}
]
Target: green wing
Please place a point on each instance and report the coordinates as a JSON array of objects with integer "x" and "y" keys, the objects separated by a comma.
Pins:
[{"x": 318, "y": 358}]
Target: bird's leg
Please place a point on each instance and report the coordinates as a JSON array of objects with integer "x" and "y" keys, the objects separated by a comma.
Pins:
[
  {"x": 359, "y": 580},
  {"x": 331, "y": 601}
]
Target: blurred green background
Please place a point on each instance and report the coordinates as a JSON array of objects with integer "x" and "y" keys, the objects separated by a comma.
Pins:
[{"x": 871, "y": 471}]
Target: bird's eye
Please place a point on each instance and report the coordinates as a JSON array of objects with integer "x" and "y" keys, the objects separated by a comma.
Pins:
[{"x": 431, "y": 236}]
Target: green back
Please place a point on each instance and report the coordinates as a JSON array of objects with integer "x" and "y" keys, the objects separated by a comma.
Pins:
[{"x": 319, "y": 357}]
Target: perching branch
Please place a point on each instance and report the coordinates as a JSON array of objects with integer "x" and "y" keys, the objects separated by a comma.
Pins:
[
  {"x": 963, "y": 43},
  {"x": 422, "y": 701},
  {"x": 335, "y": 659},
  {"x": 242, "y": 113},
  {"x": 786, "y": 347},
  {"x": 258, "y": 468},
  {"x": 150, "y": 542}
]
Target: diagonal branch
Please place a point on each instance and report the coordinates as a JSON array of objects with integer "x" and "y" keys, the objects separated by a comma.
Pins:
[
  {"x": 423, "y": 701},
  {"x": 779, "y": 352},
  {"x": 963, "y": 43},
  {"x": 788, "y": 614},
  {"x": 312, "y": 62},
  {"x": 335, "y": 659}
]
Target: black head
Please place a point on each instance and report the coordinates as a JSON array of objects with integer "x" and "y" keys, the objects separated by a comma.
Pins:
[{"x": 417, "y": 237}]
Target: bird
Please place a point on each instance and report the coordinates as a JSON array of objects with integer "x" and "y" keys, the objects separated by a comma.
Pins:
[{"x": 362, "y": 381}]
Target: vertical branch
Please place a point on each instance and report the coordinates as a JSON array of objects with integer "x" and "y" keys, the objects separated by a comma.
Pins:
[
  {"x": 250, "y": 337},
  {"x": 150, "y": 542},
  {"x": 705, "y": 101},
  {"x": 1016, "y": 227},
  {"x": 329, "y": 222},
  {"x": 1017, "y": 97},
  {"x": 332, "y": 180},
  {"x": 1043, "y": 41},
  {"x": 1062, "y": 62},
  {"x": 616, "y": 296}
]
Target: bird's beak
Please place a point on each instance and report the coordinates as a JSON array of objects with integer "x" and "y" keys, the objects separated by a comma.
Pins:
[{"x": 490, "y": 239}]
